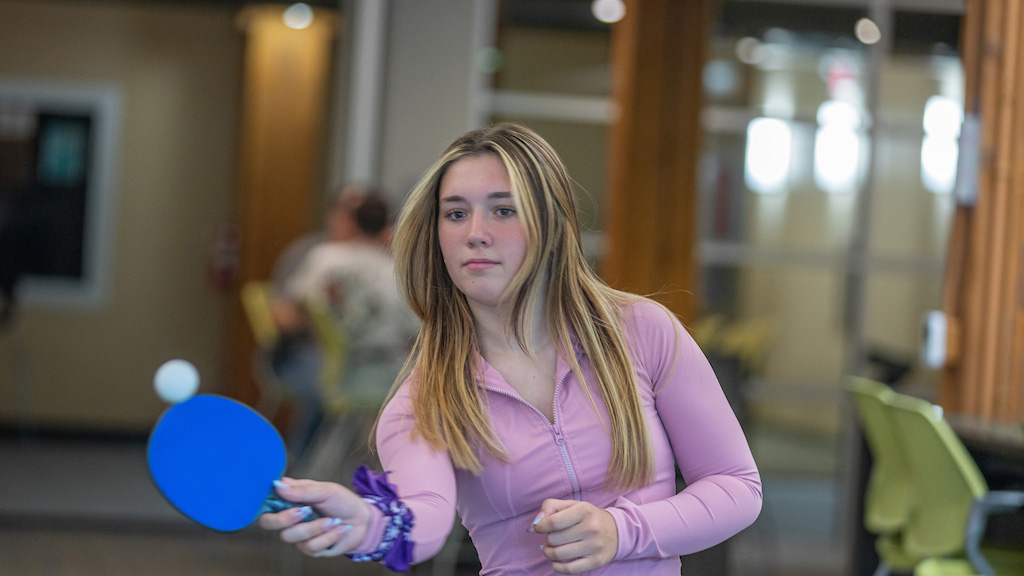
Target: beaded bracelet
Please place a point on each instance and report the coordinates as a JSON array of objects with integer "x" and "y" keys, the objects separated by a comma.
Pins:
[{"x": 395, "y": 547}]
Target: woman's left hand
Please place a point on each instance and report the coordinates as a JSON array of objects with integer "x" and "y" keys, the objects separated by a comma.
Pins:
[{"x": 581, "y": 536}]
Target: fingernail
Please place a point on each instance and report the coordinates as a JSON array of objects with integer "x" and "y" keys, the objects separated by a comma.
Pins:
[
  {"x": 532, "y": 524},
  {"x": 346, "y": 527},
  {"x": 334, "y": 522},
  {"x": 279, "y": 484},
  {"x": 303, "y": 511}
]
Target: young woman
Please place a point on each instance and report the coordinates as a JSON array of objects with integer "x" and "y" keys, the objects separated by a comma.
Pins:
[{"x": 547, "y": 408}]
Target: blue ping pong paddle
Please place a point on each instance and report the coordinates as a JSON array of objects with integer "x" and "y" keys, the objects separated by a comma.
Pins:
[{"x": 215, "y": 460}]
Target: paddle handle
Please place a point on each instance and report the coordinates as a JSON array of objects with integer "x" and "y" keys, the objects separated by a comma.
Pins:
[{"x": 274, "y": 503}]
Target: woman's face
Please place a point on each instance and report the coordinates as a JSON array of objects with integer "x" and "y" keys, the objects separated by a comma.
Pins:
[{"x": 482, "y": 238}]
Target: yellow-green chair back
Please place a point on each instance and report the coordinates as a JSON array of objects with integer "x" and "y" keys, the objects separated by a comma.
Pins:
[
  {"x": 944, "y": 567},
  {"x": 334, "y": 343},
  {"x": 885, "y": 502},
  {"x": 256, "y": 302},
  {"x": 947, "y": 481}
]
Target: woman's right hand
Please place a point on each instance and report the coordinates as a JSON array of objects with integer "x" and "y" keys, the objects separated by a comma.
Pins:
[{"x": 346, "y": 517}]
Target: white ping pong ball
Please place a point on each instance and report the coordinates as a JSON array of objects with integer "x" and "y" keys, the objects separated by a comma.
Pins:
[{"x": 176, "y": 381}]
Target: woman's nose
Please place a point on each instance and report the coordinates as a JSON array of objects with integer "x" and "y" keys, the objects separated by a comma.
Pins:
[{"x": 478, "y": 232}]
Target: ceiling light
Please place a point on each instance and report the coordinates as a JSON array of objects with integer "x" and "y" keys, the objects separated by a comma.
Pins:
[
  {"x": 608, "y": 10},
  {"x": 298, "y": 16},
  {"x": 867, "y": 31}
]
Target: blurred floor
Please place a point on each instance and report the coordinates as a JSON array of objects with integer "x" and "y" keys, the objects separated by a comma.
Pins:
[
  {"x": 81, "y": 550},
  {"x": 88, "y": 508}
]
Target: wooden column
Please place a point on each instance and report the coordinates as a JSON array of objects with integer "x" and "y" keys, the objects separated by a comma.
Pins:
[
  {"x": 281, "y": 155},
  {"x": 984, "y": 282},
  {"x": 658, "y": 57}
]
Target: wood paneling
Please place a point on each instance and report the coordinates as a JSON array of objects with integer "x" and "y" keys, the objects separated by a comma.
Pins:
[
  {"x": 657, "y": 60},
  {"x": 984, "y": 282},
  {"x": 281, "y": 159}
]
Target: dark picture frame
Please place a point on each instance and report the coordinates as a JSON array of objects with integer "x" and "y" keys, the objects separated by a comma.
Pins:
[{"x": 58, "y": 166}]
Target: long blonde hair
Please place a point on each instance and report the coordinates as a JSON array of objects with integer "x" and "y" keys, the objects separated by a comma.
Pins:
[{"x": 447, "y": 404}]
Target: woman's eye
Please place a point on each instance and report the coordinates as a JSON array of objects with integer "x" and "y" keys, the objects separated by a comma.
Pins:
[
  {"x": 455, "y": 215},
  {"x": 505, "y": 212}
]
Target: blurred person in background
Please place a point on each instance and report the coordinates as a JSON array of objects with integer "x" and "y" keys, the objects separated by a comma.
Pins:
[{"x": 350, "y": 276}]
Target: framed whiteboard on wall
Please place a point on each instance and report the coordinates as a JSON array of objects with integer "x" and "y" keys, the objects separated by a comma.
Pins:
[{"x": 59, "y": 150}]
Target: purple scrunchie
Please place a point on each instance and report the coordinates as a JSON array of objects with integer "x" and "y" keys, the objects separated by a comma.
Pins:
[{"x": 395, "y": 547}]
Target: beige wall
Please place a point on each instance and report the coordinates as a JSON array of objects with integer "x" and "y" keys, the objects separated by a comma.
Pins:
[
  {"x": 178, "y": 71},
  {"x": 426, "y": 94}
]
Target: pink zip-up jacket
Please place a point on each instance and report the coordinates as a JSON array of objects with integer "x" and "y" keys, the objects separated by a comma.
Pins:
[{"x": 691, "y": 425}]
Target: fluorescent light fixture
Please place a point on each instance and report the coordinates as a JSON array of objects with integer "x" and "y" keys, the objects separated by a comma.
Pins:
[
  {"x": 837, "y": 147},
  {"x": 940, "y": 149},
  {"x": 769, "y": 148}
]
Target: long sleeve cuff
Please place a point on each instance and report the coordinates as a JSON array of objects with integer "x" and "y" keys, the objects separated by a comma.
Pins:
[
  {"x": 394, "y": 547},
  {"x": 374, "y": 532}
]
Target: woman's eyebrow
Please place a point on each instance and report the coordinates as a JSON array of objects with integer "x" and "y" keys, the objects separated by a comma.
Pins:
[{"x": 455, "y": 198}]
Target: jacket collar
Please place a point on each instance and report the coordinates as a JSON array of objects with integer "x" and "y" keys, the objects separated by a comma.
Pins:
[{"x": 487, "y": 376}]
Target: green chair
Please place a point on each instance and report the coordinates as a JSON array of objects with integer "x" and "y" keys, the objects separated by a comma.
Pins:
[
  {"x": 255, "y": 296},
  {"x": 944, "y": 567},
  {"x": 886, "y": 500},
  {"x": 341, "y": 441},
  {"x": 950, "y": 502}
]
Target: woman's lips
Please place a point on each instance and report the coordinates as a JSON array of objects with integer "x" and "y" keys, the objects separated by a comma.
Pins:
[{"x": 480, "y": 264}]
